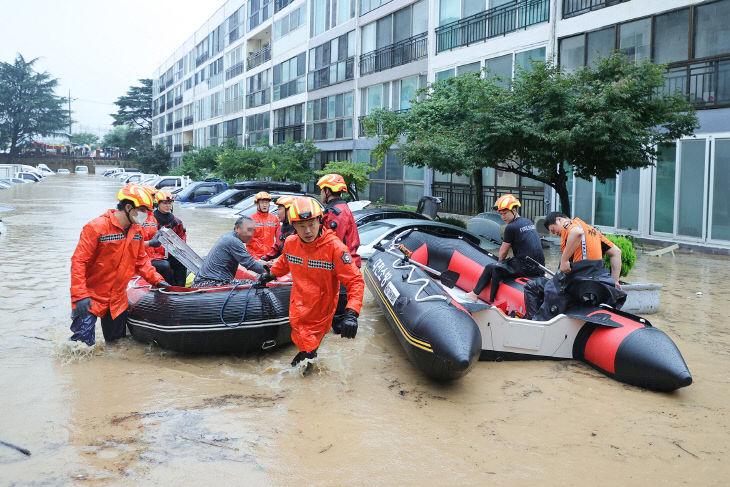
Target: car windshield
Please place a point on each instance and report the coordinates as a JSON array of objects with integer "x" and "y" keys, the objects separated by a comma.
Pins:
[
  {"x": 221, "y": 197},
  {"x": 187, "y": 190},
  {"x": 370, "y": 231},
  {"x": 244, "y": 203}
]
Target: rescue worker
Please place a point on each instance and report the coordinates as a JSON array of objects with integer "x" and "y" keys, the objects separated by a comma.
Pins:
[
  {"x": 221, "y": 264},
  {"x": 337, "y": 215},
  {"x": 266, "y": 225},
  {"x": 110, "y": 251},
  {"x": 579, "y": 243},
  {"x": 168, "y": 266},
  {"x": 318, "y": 262},
  {"x": 521, "y": 236},
  {"x": 283, "y": 230}
]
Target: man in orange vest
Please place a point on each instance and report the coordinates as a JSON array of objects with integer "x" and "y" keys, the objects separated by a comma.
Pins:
[
  {"x": 265, "y": 227},
  {"x": 110, "y": 251},
  {"x": 319, "y": 262}
]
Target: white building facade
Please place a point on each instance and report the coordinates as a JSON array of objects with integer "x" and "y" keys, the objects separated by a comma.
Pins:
[{"x": 313, "y": 68}]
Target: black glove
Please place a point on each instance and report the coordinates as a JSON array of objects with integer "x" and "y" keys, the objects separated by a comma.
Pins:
[
  {"x": 163, "y": 284},
  {"x": 266, "y": 277},
  {"x": 83, "y": 306},
  {"x": 302, "y": 355},
  {"x": 349, "y": 324},
  {"x": 154, "y": 241}
]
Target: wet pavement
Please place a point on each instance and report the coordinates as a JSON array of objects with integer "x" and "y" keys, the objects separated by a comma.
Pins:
[{"x": 129, "y": 413}]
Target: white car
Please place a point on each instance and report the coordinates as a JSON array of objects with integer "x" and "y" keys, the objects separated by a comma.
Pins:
[
  {"x": 63, "y": 171},
  {"x": 82, "y": 170}
]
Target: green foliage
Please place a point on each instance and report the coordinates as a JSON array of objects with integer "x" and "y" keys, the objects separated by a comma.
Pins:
[
  {"x": 628, "y": 253},
  {"x": 126, "y": 138},
  {"x": 600, "y": 120},
  {"x": 238, "y": 163},
  {"x": 28, "y": 104},
  {"x": 84, "y": 138},
  {"x": 407, "y": 208},
  {"x": 453, "y": 221},
  {"x": 135, "y": 109},
  {"x": 379, "y": 202},
  {"x": 152, "y": 159},
  {"x": 355, "y": 175},
  {"x": 198, "y": 163},
  {"x": 288, "y": 161}
]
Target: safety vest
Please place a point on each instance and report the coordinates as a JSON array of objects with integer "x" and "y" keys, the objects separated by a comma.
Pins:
[{"x": 592, "y": 244}]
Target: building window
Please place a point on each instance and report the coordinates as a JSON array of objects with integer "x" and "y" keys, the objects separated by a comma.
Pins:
[
  {"x": 236, "y": 25},
  {"x": 234, "y": 98},
  {"x": 327, "y": 14},
  {"x": 235, "y": 62},
  {"x": 233, "y": 129},
  {"x": 332, "y": 62},
  {"x": 215, "y": 73},
  {"x": 259, "y": 91},
  {"x": 258, "y": 12},
  {"x": 330, "y": 117},
  {"x": 404, "y": 92},
  {"x": 291, "y": 22},
  {"x": 257, "y": 129},
  {"x": 712, "y": 35},
  {"x": 289, "y": 77},
  {"x": 289, "y": 124},
  {"x": 634, "y": 39}
]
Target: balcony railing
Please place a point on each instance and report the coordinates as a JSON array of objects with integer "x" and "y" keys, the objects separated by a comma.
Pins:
[
  {"x": 259, "y": 57},
  {"x": 235, "y": 70},
  {"x": 168, "y": 127},
  {"x": 402, "y": 52},
  {"x": 188, "y": 147},
  {"x": 280, "y": 4},
  {"x": 169, "y": 104},
  {"x": 178, "y": 124},
  {"x": 294, "y": 132},
  {"x": 233, "y": 106},
  {"x": 178, "y": 100},
  {"x": 571, "y": 8},
  {"x": 494, "y": 22},
  {"x": 177, "y": 148},
  {"x": 188, "y": 121},
  {"x": 705, "y": 83},
  {"x": 215, "y": 80}
]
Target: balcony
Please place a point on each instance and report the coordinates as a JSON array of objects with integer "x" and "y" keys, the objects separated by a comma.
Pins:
[
  {"x": 402, "y": 52},
  {"x": 168, "y": 127},
  {"x": 235, "y": 70},
  {"x": 259, "y": 57},
  {"x": 177, "y": 148},
  {"x": 215, "y": 80},
  {"x": 571, "y": 8},
  {"x": 188, "y": 147},
  {"x": 188, "y": 121},
  {"x": 201, "y": 59},
  {"x": 293, "y": 132},
  {"x": 178, "y": 100},
  {"x": 233, "y": 106},
  {"x": 705, "y": 83},
  {"x": 331, "y": 74},
  {"x": 490, "y": 23},
  {"x": 280, "y": 4},
  {"x": 178, "y": 124},
  {"x": 169, "y": 104}
]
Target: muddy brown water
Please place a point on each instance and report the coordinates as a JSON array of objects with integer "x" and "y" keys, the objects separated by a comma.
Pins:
[{"x": 132, "y": 414}]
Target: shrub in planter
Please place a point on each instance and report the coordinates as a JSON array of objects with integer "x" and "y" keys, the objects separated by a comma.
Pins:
[
  {"x": 628, "y": 253},
  {"x": 452, "y": 221}
]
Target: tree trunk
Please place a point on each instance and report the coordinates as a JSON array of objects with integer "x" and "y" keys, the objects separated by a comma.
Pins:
[
  {"x": 478, "y": 190},
  {"x": 562, "y": 190}
]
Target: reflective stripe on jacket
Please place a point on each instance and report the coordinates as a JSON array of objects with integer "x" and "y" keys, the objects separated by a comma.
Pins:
[
  {"x": 592, "y": 244},
  {"x": 104, "y": 261},
  {"x": 263, "y": 235},
  {"x": 317, "y": 269}
]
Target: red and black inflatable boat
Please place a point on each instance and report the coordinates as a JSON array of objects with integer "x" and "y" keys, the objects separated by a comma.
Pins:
[
  {"x": 444, "y": 334},
  {"x": 225, "y": 319}
]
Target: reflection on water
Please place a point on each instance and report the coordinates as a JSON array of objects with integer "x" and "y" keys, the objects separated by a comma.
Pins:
[{"x": 130, "y": 413}]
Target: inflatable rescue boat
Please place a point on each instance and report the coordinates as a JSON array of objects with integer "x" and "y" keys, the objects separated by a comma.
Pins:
[
  {"x": 444, "y": 333},
  {"x": 225, "y": 319}
]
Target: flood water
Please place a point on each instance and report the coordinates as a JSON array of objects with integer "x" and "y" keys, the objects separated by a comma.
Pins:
[{"x": 134, "y": 414}]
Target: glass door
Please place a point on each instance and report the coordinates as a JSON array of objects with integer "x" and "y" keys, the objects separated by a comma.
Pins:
[
  {"x": 664, "y": 189},
  {"x": 720, "y": 205},
  {"x": 691, "y": 211}
]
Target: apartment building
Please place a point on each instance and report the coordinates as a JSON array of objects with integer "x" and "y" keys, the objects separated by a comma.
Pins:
[{"x": 296, "y": 69}]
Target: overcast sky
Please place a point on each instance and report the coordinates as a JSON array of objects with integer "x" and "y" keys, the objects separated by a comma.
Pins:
[{"x": 98, "y": 48}]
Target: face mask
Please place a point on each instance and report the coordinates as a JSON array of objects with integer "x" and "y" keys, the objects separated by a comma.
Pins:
[{"x": 140, "y": 217}]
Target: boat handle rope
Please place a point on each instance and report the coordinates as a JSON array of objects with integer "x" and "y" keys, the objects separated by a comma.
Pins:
[{"x": 245, "y": 305}]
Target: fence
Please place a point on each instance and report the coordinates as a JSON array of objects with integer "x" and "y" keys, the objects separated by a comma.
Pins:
[{"x": 460, "y": 198}]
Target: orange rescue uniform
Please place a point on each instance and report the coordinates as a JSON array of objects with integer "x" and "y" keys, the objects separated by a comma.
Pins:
[
  {"x": 104, "y": 261},
  {"x": 317, "y": 269},
  {"x": 264, "y": 234},
  {"x": 592, "y": 245}
]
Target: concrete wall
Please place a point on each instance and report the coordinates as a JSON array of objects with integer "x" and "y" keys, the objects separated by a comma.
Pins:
[{"x": 58, "y": 162}]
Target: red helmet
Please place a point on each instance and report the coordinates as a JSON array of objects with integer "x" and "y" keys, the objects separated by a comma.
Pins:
[
  {"x": 335, "y": 182},
  {"x": 135, "y": 193},
  {"x": 506, "y": 202},
  {"x": 263, "y": 195},
  {"x": 303, "y": 208}
]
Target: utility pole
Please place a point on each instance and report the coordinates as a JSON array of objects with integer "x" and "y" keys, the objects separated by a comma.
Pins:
[{"x": 69, "y": 116}]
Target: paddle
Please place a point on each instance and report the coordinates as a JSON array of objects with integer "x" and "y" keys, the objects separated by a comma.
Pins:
[
  {"x": 448, "y": 278},
  {"x": 542, "y": 267}
]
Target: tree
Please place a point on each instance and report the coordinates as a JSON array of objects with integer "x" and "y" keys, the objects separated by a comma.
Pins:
[
  {"x": 238, "y": 163},
  {"x": 84, "y": 138},
  {"x": 28, "y": 105},
  {"x": 198, "y": 163},
  {"x": 601, "y": 120},
  {"x": 152, "y": 159},
  {"x": 126, "y": 138},
  {"x": 355, "y": 175},
  {"x": 289, "y": 161},
  {"x": 135, "y": 108}
]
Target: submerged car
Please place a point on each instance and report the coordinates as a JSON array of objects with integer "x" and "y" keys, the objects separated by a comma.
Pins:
[
  {"x": 366, "y": 216},
  {"x": 198, "y": 191},
  {"x": 63, "y": 171},
  {"x": 226, "y": 199},
  {"x": 83, "y": 170},
  {"x": 385, "y": 230}
]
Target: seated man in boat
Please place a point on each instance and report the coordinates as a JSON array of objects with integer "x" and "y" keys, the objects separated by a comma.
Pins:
[
  {"x": 283, "y": 230},
  {"x": 265, "y": 229},
  {"x": 110, "y": 251},
  {"x": 521, "y": 236},
  {"x": 168, "y": 266},
  {"x": 220, "y": 265},
  {"x": 583, "y": 248},
  {"x": 318, "y": 262}
]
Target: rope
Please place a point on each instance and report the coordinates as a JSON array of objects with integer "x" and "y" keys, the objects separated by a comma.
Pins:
[
  {"x": 245, "y": 304},
  {"x": 425, "y": 281}
]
